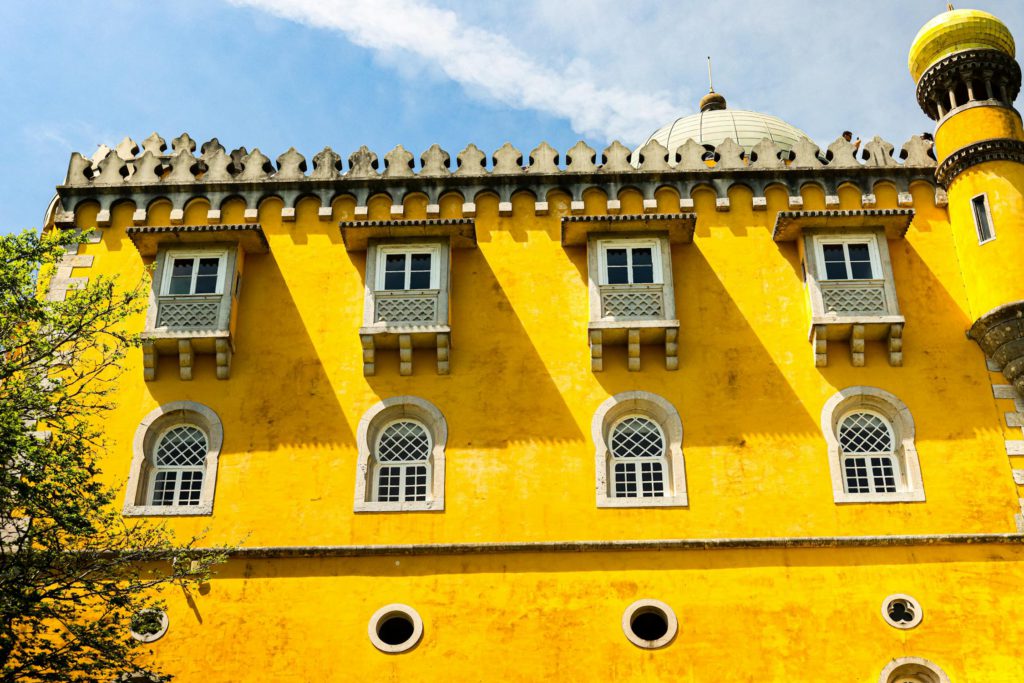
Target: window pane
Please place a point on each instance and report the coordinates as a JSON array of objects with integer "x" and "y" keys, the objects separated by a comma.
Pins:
[
  {"x": 618, "y": 275},
  {"x": 651, "y": 480},
  {"x": 637, "y": 437},
  {"x": 981, "y": 219},
  {"x": 389, "y": 484},
  {"x": 394, "y": 262},
  {"x": 206, "y": 284},
  {"x": 832, "y": 252},
  {"x": 643, "y": 274},
  {"x": 616, "y": 257},
  {"x": 625, "y": 480},
  {"x": 420, "y": 262},
  {"x": 181, "y": 276},
  {"x": 835, "y": 261},
  {"x": 163, "y": 488},
  {"x": 419, "y": 279},
  {"x": 835, "y": 270},
  {"x": 642, "y": 257},
  {"x": 856, "y": 471},
  {"x": 861, "y": 270},
  {"x": 394, "y": 280},
  {"x": 208, "y": 266},
  {"x": 191, "y": 487},
  {"x": 883, "y": 474},
  {"x": 416, "y": 483}
]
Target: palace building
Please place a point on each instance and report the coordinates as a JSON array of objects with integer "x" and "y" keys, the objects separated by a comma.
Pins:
[{"x": 729, "y": 406}]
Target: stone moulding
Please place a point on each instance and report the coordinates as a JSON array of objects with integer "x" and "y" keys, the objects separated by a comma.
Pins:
[
  {"x": 809, "y": 542},
  {"x": 148, "y": 238},
  {"x": 461, "y": 231},
  {"x": 996, "y": 149},
  {"x": 1000, "y": 334},
  {"x": 679, "y": 226},
  {"x": 895, "y": 222},
  {"x": 217, "y": 177}
]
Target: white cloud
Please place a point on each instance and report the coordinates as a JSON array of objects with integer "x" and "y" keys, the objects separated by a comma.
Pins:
[{"x": 485, "y": 63}]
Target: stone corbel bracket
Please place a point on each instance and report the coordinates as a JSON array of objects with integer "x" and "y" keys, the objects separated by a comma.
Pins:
[{"x": 1000, "y": 334}]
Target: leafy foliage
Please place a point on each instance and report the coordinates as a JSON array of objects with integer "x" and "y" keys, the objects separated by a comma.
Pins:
[{"x": 73, "y": 571}]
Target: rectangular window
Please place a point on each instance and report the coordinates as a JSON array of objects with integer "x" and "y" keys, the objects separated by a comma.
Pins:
[
  {"x": 870, "y": 474},
  {"x": 408, "y": 268},
  {"x": 625, "y": 263},
  {"x": 848, "y": 260},
  {"x": 193, "y": 274},
  {"x": 982, "y": 219}
]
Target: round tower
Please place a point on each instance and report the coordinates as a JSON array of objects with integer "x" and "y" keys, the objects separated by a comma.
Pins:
[{"x": 967, "y": 80}]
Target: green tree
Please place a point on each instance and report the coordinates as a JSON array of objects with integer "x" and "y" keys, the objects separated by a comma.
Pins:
[{"x": 73, "y": 572}]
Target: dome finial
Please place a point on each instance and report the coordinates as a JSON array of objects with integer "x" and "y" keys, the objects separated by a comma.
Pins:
[{"x": 712, "y": 101}]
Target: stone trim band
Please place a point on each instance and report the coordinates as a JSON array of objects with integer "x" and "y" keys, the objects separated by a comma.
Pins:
[
  {"x": 998, "y": 149},
  {"x": 267, "y": 552}
]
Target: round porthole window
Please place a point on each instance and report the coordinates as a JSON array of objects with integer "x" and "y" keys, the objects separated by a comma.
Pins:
[
  {"x": 649, "y": 624},
  {"x": 902, "y": 611},
  {"x": 149, "y": 625},
  {"x": 395, "y": 628}
]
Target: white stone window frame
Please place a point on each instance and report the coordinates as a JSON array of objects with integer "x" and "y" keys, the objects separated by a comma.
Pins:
[
  {"x": 915, "y": 606},
  {"x": 988, "y": 216},
  {"x": 385, "y": 250},
  {"x": 373, "y": 422},
  {"x": 598, "y": 243},
  {"x": 645, "y": 606},
  {"x": 136, "y": 502},
  {"x": 820, "y": 241},
  {"x": 888, "y": 406},
  {"x": 153, "y": 637},
  {"x": 168, "y": 260},
  {"x": 387, "y": 612},
  {"x": 664, "y": 414},
  {"x": 439, "y": 267},
  {"x": 653, "y": 244},
  {"x": 901, "y": 668}
]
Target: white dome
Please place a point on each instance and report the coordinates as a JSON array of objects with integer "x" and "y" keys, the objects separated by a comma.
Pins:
[{"x": 746, "y": 128}]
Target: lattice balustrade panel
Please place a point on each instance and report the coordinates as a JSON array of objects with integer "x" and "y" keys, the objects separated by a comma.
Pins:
[
  {"x": 188, "y": 314},
  {"x": 849, "y": 299},
  {"x": 407, "y": 309},
  {"x": 640, "y": 304}
]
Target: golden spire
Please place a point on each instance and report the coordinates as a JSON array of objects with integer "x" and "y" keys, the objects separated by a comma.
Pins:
[{"x": 712, "y": 101}]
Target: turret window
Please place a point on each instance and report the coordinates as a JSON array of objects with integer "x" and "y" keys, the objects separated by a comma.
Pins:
[{"x": 982, "y": 218}]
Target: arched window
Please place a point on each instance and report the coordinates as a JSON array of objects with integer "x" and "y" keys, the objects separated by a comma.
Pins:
[
  {"x": 912, "y": 670},
  {"x": 401, "y": 444},
  {"x": 174, "y": 464},
  {"x": 402, "y": 463},
  {"x": 638, "y": 440},
  {"x": 872, "y": 456},
  {"x": 868, "y": 451},
  {"x": 638, "y": 464},
  {"x": 180, "y": 458}
]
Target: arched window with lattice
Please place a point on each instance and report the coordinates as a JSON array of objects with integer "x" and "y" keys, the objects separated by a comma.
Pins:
[
  {"x": 872, "y": 456},
  {"x": 638, "y": 439},
  {"x": 638, "y": 466},
  {"x": 401, "y": 444},
  {"x": 180, "y": 459},
  {"x": 174, "y": 464}
]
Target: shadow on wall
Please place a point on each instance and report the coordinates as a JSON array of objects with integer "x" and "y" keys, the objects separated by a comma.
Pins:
[
  {"x": 499, "y": 391},
  {"x": 278, "y": 387},
  {"x": 722, "y": 362}
]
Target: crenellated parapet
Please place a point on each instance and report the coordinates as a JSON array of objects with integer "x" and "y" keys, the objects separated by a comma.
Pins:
[{"x": 143, "y": 174}]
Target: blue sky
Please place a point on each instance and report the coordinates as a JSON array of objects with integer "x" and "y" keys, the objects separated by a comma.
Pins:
[{"x": 308, "y": 73}]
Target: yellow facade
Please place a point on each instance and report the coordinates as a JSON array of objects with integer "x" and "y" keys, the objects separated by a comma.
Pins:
[{"x": 771, "y": 579}]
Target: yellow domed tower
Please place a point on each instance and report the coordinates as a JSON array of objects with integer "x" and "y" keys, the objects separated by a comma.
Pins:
[{"x": 967, "y": 80}]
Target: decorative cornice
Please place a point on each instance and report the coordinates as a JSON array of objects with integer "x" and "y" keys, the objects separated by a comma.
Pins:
[
  {"x": 679, "y": 226},
  {"x": 1000, "y": 334},
  {"x": 997, "y": 149},
  {"x": 122, "y": 174},
  {"x": 460, "y": 231},
  {"x": 999, "y": 67}
]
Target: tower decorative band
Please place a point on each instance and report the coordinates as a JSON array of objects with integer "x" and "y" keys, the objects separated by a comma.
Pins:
[
  {"x": 968, "y": 76},
  {"x": 998, "y": 149}
]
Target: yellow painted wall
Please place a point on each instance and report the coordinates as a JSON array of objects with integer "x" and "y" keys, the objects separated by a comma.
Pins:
[
  {"x": 520, "y": 464},
  {"x": 745, "y": 616},
  {"x": 520, "y": 397}
]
